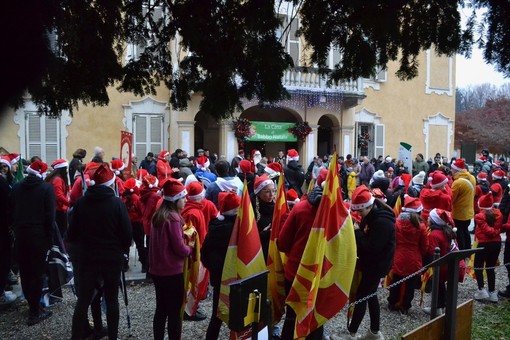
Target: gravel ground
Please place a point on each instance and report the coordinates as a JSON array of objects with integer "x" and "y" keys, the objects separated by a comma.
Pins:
[{"x": 142, "y": 306}]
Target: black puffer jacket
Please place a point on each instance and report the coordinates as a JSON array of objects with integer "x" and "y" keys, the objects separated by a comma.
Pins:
[
  {"x": 264, "y": 217},
  {"x": 33, "y": 208},
  {"x": 99, "y": 227},
  {"x": 376, "y": 241},
  {"x": 295, "y": 176},
  {"x": 215, "y": 247}
]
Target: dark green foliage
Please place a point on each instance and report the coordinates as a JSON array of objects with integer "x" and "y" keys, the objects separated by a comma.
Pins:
[{"x": 228, "y": 48}]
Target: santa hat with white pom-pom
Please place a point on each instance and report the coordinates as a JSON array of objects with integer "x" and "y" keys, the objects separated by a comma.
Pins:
[
  {"x": 102, "y": 176},
  {"x": 228, "y": 204},
  {"x": 442, "y": 218}
]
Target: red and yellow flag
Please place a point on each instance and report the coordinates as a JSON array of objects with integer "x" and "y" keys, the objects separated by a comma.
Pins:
[
  {"x": 276, "y": 277},
  {"x": 397, "y": 209},
  {"x": 244, "y": 254},
  {"x": 327, "y": 266},
  {"x": 191, "y": 270}
]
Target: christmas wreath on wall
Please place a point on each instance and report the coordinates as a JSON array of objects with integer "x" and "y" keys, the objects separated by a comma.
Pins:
[
  {"x": 242, "y": 129},
  {"x": 300, "y": 130},
  {"x": 363, "y": 140}
]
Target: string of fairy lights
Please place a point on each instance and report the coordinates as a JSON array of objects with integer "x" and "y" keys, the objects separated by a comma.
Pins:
[{"x": 302, "y": 99}]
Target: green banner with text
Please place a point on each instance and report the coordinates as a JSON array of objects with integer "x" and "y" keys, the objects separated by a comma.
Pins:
[{"x": 271, "y": 132}]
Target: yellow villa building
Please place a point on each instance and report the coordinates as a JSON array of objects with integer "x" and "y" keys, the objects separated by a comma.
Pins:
[{"x": 361, "y": 117}]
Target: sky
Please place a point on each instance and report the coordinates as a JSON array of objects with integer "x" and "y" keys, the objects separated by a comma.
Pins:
[{"x": 475, "y": 71}]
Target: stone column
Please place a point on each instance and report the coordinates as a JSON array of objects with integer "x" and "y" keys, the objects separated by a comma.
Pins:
[
  {"x": 228, "y": 141},
  {"x": 310, "y": 146}
]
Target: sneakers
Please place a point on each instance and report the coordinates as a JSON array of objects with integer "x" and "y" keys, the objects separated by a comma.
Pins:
[
  {"x": 35, "y": 319},
  {"x": 199, "y": 316},
  {"x": 347, "y": 336},
  {"x": 493, "y": 296},
  {"x": 427, "y": 310},
  {"x": 7, "y": 298},
  {"x": 372, "y": 336},
  {"x": 481, "y": 294}
]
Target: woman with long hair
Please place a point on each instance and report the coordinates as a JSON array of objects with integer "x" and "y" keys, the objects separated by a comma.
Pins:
[
  {"x": 375, "y": 240},
  {"x": 487, "y": 232},
  {"x": 167, "y": 252},
  {"x": 262, "y": 201},
  {"x": 58, "y": 178}
]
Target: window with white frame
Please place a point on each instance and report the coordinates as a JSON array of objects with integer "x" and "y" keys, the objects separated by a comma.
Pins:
[
  {"x": 43, "y": 137},
  {"x": 288, "y": 35},
  {"x": 148, "y": 133}
]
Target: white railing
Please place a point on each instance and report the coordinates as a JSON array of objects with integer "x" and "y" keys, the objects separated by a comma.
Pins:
[{"x": 310, "y": 79}]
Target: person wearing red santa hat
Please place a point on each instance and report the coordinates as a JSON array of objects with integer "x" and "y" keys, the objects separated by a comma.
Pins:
[
  {"x": 412, "y": 245},
  {"x": 488, "y": 224},
  {"x": 463, "y": 189},
  {"x": 292, "y": 241},
  {"x": 149, "y": 197},
  {"x": 78, "y": 187},
  {"x": 442, "y": 235},
  {"x": 294, "y": 173},
  {"x": 203, "y": 172},
  {"x": 262, "y": 201},
  {"x": 14, "y": 159},
  {"x": 163, "y": 168},
  {"x": 375, "y": 240},
  {"x": 499, "y": 183},
  {"x": 482, "y": 187},
  {"x": 195, "y": 211},
  {"x": 118, "y": 167},
  {"x": 100, "y": 231},
  {"x": 59, "y": 179},
  {"x": 292, "y": 198},
  {"x": 435, "y": 195},
  {"x": 131, "y": 198},
  {"x": 167, "y": 252},
  {"x": 32, "y": 203},
  {"x": 245, "y": 172},
  {"x": 214, "y": 251}
]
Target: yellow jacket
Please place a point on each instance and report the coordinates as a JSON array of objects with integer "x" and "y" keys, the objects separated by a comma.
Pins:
[
  {"x": 463, "y": 188},
  {"x": 351, "y": 183}
]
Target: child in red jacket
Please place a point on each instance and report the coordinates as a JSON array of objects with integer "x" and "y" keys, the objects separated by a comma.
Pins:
[
  {"x": 131, "y": 197},
  {"x": 488, "y": 224},
  {"x": 412, "y": 245}
]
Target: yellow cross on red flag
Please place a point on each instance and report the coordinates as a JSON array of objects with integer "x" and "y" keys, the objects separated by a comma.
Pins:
[
  {"x": 323, "y": 280},
  {"x": 276, "y": 276},
  {"x": 244, "y": 254}
]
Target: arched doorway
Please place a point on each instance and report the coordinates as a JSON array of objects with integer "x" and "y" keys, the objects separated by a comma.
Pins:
[
  {"x": 206, "y": 134},
  {"x": 325, "y": 136},
  {"x": 271, "y": 114}
]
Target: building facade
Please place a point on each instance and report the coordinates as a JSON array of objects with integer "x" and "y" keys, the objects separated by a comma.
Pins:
[{"x": 368, "y": 117}]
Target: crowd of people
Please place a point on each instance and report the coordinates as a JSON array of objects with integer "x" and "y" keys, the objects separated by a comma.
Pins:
[{"x": 174, "y": 205}]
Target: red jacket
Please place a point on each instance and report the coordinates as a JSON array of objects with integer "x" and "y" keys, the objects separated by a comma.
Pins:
[
  {"x": 430, "y": 199},
  {"x": 134, "y": 206},
  {"x": 149, "y": 199},
  {"x": 120, "y": 186},
  {"x": 61, "y": 191},
  {"x": 163, "y": 169},
  {"x": 412, "y": 246},
  {"x": 484, "y": 232},
  {"x": 210, "y": 211},
  {"x": 294, "y": 235},
  {"x": 193, "y": 213},
  {"x": 437, "y": 238}
]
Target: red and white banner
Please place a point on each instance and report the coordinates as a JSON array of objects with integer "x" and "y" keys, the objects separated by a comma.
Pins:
[{"x": 126, "y": 150}]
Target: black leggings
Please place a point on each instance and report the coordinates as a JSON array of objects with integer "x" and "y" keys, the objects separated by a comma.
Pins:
[
  {"x": 213, "y": 330},
  {"x": 169, "y": 300},
  {"x": 489, "y": 257},
  {"x": 463, "y": 236},
  {"x": 368, "y": 285}
]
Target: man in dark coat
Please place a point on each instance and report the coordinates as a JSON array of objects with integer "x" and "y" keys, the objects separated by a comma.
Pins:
[
  {"x": 149, "y": 164},
  {"x": 294, "y": 172},
  {"x": 33, "y": 209},
  {"x": 101, "y": 233}
]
